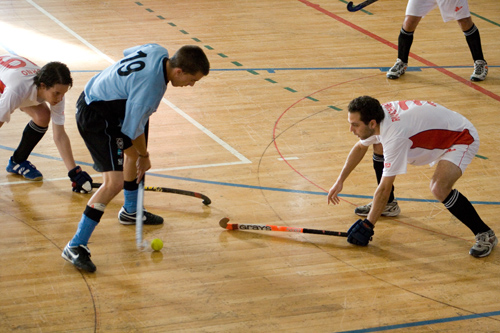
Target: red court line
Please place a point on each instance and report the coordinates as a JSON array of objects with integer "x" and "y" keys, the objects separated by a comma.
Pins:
[
  {"x": 275, "y": 137},
  {"x": 394, "y": 46},
  {"x": 291, "y": 106}
]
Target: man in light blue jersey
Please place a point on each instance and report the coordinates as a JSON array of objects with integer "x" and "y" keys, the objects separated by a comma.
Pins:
[{"x": 113, "y": 116}]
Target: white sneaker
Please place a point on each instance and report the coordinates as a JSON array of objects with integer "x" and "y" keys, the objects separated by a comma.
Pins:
[
  {"x": 392, "y": 209},
  {"x": 397, "y": 70},
  {"x": 480, "y": 71},
  {"x": 485, "y": 242}
]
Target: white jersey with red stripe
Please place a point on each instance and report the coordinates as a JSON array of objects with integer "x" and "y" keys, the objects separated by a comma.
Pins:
[
  {"x": 17, "y": 89},
  {"x": 420, "y": 132}
]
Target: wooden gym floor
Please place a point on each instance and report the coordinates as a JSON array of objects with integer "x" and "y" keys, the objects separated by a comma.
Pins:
[{"x": 264, "y": 136}]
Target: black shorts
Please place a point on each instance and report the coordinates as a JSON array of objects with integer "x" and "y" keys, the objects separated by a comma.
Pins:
[{"x": 99, "y": 125}]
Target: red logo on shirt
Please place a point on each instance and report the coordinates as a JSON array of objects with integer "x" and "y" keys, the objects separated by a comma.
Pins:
[
  {"x": 2, "y": 87},
  {"x": 458, "y": 8},
  {"x": 387, "y": 165}
]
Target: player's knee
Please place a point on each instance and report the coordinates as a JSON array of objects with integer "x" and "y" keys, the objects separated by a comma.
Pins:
[
  {"x": 378, "y": 149},
  {"x": 131, "y": 155},
  {"x": 439, "y": 190},
  {"x": 41, "y": 118},
  {"x": 113, "y": 187}
]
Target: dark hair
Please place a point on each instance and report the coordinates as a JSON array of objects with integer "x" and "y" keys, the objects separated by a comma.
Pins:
[
  {"x": 191, "y": 59},
  {"x": 368, "y": 107},
  {"x": 53, "y": 73}
]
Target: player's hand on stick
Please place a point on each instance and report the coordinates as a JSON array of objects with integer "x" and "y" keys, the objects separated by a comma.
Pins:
[
  {"x": 333, "y": 193},
  {"x": 143, "y": 164},
  {"x": 360, "y": 233},
  {"x": 80, "y": 180}
]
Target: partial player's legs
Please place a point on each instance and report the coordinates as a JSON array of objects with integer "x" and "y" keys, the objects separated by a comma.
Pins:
[
  {"x": 127, "y": 214},
  {"x": 104, "y": 140},
  {"x": 76, "y": 251},
  {"x": 32, "y": 134},
  {"x": 392, "y": 207},
  {"x": 471, "y": 33},
  {"x": 405, "y": 41},
  {"x": 441, "y": 185}
]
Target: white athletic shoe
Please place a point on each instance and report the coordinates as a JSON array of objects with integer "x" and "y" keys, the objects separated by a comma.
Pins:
[
  {"x": 485, "y": 242},
  {"x": 397, "y": 70},
  {"x": 392, "y": 209},
  {"x": 480, "y": 71}
]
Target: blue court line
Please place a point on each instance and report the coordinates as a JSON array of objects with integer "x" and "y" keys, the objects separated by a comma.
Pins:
[
  {"x": 5, "y": 47},
  {"x": 254, "y": 187},
  {"x": 273, "y": 70},
  {"x": 300, "y": 191},
  {"x": 425, "y": 322}
]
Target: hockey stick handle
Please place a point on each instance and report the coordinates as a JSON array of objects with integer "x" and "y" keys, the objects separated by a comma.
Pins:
[
  {"x": 206, "y": 200},
  {"x": 139, "y": 214},
  {"x": 352, "y": 8},
  {"x": 237, "y": 226}
]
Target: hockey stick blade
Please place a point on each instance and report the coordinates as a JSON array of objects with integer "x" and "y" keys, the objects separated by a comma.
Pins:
[
  {"x": 206, "y": 200},
  {"x": 224, "y": 223},
  {"x": 352, "y": 8}
]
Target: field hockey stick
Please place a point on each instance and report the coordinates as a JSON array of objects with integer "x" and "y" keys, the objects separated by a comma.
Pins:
[
  {"x": 206, "y": 200},
  {"x": 236, "y": 226},
  {"x": 141, "y": 243},
  {"x": 352, "y": 8}
]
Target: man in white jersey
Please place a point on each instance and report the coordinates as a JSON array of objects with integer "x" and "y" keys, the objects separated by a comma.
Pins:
[
  {"x": 25, "y": 86},
  {"x": 450, "y": 10},
  {"x": 419, "y": 133},
  {"x": 113, "y": 116}
]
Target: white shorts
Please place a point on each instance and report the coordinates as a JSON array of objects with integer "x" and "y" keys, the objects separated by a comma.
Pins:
[
  {"x": 451, "y": 10},
  {"x": 461, "y": 155}
]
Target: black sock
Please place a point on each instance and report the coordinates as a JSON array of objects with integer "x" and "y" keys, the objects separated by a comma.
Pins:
[
  {"x": 93, "y": 214},
  {"x": 404, "y": 44},
  {"x": 31, "y": 136},
  {"x": 463, "y": 210},
  {"x": 130, "y": 186},
  {"x": 474, "y": 41},
  {"x": 378, "y": 166}
]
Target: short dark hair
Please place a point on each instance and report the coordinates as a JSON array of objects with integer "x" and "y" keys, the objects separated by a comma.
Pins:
[
  {"x": 191, "y": 59},
  {"x": 368, "y": 107},
  {"x": 53, "y": 73}
]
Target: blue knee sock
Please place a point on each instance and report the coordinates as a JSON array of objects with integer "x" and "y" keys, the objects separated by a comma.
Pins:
[
  {"x": 130, "y": 203},
  {"x": 90, "y": 219}
]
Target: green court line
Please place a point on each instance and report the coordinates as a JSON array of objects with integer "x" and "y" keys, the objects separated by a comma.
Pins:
[
  {"x": 334, "y": 107},
  {"x": 251, "y": 71},
  {"x": 485, "y": 19},
  {"x": 363, "y": 10},
  {"x": 482, "y": 157}
]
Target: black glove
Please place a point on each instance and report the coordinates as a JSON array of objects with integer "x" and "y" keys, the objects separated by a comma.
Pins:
[
  {"x": 81, "y": 181},
  {"x": 360, "y": 233}
]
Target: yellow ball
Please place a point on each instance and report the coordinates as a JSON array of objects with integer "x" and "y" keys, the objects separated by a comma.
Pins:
[{"x": 157, "y": 244}]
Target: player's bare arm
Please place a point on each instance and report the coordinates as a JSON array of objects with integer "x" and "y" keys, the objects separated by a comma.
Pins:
[
  {"x": 143, "y": 162},
  {"x": 63, "y": 144},
  {"x": 380, "y": 198},
  {"x": 355, "y": 156}
]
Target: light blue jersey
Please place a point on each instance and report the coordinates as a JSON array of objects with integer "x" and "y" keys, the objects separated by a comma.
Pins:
[{"x": 139, "y": 78}]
